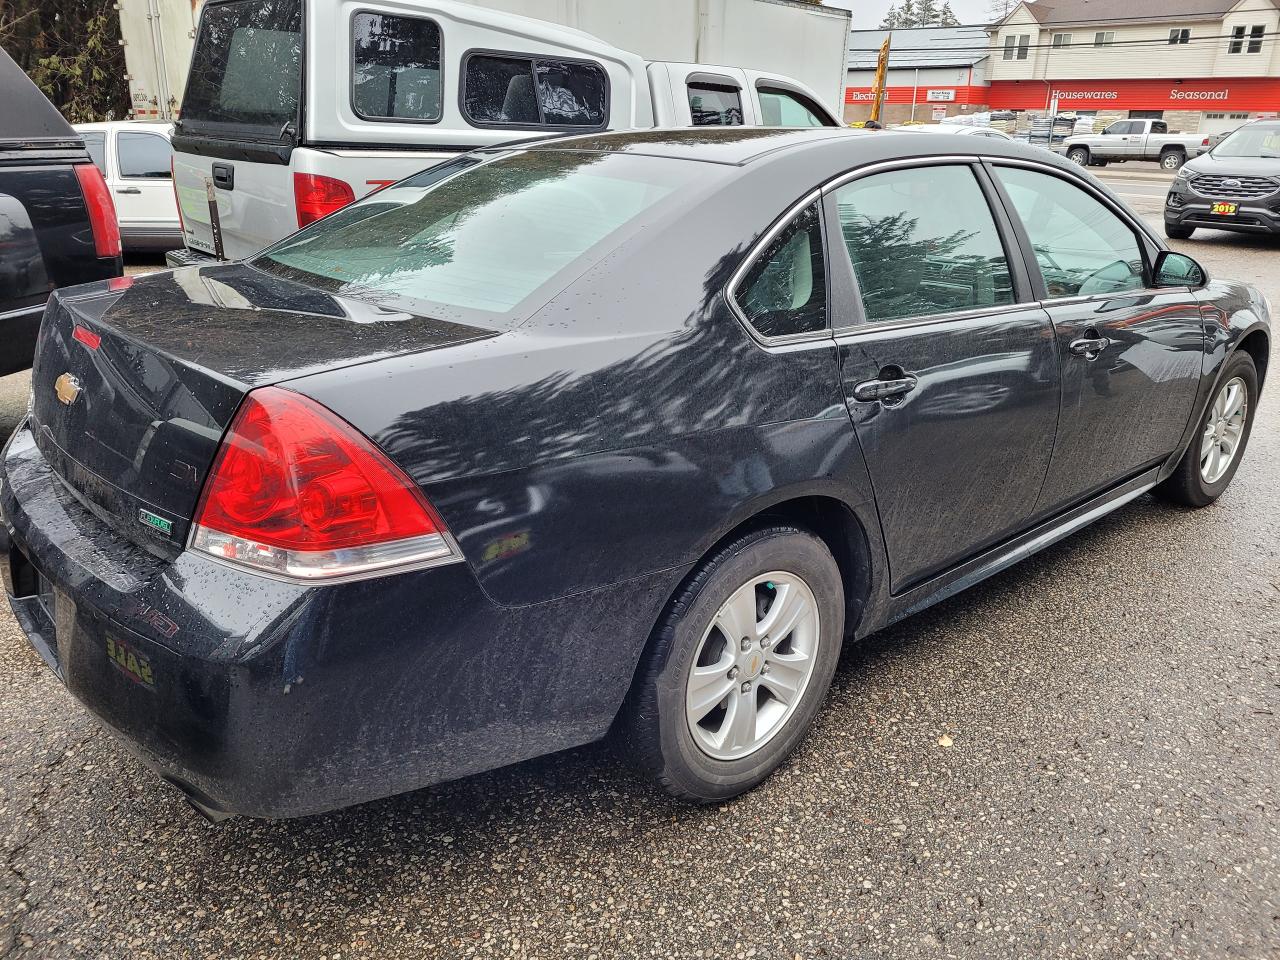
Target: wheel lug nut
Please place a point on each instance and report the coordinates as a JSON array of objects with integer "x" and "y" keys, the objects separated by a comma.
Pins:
[
  {"x": 764, "y": 642},
  {"x": 746, "y": 686},
  {"x": 764, "y": 668},
  {"x": 733, "y": 673},
  {"x": 746, "y": 644}
]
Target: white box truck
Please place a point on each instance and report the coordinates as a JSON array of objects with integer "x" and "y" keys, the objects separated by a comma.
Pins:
[
  {"x": 294, "y": 108},
  {"x": 157, "y": 38}
]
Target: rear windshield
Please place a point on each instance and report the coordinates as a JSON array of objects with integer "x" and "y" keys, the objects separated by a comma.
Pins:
[
  {"x": 482, "y": 241},
  {"x": 246, "y": 70}
]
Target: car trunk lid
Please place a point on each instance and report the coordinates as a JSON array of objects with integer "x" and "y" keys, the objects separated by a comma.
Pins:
[{"x": 135, "y": 384}]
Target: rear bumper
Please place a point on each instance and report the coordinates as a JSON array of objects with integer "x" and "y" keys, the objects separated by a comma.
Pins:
[
  {"x": 150, "y": 238},
  {"x": 274, "y": 699},
  {"x": 186, "y": 257}
]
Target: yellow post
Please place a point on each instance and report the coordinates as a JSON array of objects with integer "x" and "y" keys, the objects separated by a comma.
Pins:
[{"x": 882, "y": 68}]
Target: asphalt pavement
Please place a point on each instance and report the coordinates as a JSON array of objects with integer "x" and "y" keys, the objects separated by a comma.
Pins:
[{"x": 1077, "y": 758}]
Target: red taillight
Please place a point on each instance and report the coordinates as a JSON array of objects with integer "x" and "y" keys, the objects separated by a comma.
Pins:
[
  {"x": 102, "y": 212},
  {"x": 317, "y": 196},
  {"x": 299, "y": 492},
  {"x": 1204, "y": 142}
]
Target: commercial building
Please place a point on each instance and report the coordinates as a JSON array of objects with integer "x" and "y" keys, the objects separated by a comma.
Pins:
[
  {"x": 1203, "y": 66},
  {"x": 934, "y": 73}
]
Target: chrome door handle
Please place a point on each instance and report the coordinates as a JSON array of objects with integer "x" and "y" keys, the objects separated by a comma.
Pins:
[
  {"x": 871, "y": 390},
  {"x": 128, "y": 190},
  {"x": 1089, "y": 347}
]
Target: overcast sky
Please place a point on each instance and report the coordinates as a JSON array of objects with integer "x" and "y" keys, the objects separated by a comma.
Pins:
[{"x": 867, "y": 14}]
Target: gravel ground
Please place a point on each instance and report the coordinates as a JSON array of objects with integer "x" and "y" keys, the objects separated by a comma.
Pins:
[{"x": 1075, "y": 759}]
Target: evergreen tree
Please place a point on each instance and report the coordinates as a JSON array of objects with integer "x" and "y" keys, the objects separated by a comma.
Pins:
[
  {"x": 907, "y": 14},
  {"x": 890, "y": 20},
  {"x": 946, "y": 18},
  {"x": 927, "y": 13}
]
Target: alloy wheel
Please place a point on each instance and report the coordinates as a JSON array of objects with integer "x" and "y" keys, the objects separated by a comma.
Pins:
[
  {"x": 752, "y": 665},
  {"x": 1223, "y": 429}
]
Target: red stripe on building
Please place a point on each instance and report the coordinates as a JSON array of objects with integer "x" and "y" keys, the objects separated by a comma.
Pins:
[
  {"x": 957, "y": 94},
  {"x": 1229, "y": 93}
]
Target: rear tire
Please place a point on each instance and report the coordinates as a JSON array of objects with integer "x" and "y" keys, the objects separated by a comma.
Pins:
[
  {"x": 1079, "y": 155},
  {"x": 1201, "y": 476},
  {"x": 1178, "y": 232},
  {"x": 691, "y": 659}
]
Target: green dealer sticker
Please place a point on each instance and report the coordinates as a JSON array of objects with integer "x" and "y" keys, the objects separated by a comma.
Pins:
[{"x": 155, "y": 522}]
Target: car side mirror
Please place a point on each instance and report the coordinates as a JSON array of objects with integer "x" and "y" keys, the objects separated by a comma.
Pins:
[{"x": 1178, "y": 270}]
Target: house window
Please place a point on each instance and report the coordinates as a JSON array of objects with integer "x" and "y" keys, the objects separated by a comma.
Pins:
[
  {"x": 1255, "y": 39},
  {"x": 1062, "y": 39},
  {"x": 1179, "y": 36},
  {"x": 1016, "y": 45},
  {"x": 1237, "y": 43},
  {"x": 1104, "y": 38}
]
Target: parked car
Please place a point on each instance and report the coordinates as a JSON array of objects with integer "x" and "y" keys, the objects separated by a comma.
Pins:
[
  {"x": 1236, "y": 186},
  {"x": 56, "y": 223},
  {"x": 960, "y": 129},
  {"x": 446, "y": 480},
  {"x": 1135, "y": 140},
  {"x": 136, "y": 158},
  {"x": 407, "y": 86}
]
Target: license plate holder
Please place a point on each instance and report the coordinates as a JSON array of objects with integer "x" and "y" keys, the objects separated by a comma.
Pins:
[{"x": 1224, "y": 208}]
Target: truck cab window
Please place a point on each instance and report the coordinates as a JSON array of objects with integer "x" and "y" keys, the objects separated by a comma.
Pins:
[
  {"x": 143, "y": 155},
  {"x": 534, "y": 92},
  {"x": 715, "y": 105},
  {"x": 396, "y": 63},
  {"x": 782, "y": 108}
]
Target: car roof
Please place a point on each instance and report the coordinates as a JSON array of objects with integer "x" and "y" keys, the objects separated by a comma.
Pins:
[
  {"x": 743, "y": 146},
  {"x": 732, "y": 145}
]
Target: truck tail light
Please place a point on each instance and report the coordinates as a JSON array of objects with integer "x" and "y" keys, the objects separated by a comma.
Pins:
[
  {"x": 1204, "y": 142},
  {"x": 317, "y": 196},
  {"x": 297, "y": 492},
  {"x": 102, "y": 212}
]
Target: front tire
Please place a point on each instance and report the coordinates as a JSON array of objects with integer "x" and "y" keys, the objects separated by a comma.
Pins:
[
  {"x": 1079, "y": 155},
  {"x": 1176, "y": 231},
  {"x": 738, "y": 665},
  {"x": 1214, "y": 454}
]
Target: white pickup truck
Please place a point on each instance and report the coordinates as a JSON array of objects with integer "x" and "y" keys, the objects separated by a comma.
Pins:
[
  {"x": 294, "y": 108},
  {"x": 1134, "y": 140}
]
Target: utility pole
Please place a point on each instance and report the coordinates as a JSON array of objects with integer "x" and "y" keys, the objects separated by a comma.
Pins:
[{"x": 882, "y": 68}]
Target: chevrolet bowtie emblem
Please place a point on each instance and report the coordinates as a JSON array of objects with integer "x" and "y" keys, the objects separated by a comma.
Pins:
[{"x": 67, "y": 387}]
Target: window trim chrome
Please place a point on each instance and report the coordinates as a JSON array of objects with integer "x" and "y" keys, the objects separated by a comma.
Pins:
[{"x": 748, "y": 261}]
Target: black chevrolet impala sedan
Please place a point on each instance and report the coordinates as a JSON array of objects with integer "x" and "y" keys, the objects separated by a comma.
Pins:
[{"x": 620, "y": 432}]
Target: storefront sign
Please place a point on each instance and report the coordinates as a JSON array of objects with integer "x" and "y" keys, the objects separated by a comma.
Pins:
[
  {"x": 939, "y": 113},
  {"x": 1234, "y": 94},
  {"x": 976, "y": 94}
]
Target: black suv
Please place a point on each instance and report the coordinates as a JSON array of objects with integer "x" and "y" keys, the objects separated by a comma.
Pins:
[
  {"x": 57, "y": 222},
  {"x": 1235, "y": 186}
]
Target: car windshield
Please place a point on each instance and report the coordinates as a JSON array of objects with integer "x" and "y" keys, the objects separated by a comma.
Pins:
[
  {"x": 481, "y": 236},
  {"x": 1254, "y": 140}
]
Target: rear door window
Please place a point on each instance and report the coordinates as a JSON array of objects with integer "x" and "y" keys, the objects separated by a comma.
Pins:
[
  {"x": 782, "y": 108},
  {"x": 923, "y": 242},
  {"x": 512, "y": 90},
  {"x": 146, "y": 156},
  {"x": 246, "y": 70},
  {"x": 715, "y": 105},
  {"x": 396, "y": 68},
  {"x": 784, "y": 293},
  {"x": 96, "y": 144}
]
